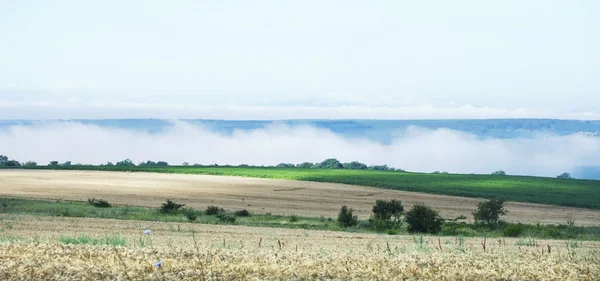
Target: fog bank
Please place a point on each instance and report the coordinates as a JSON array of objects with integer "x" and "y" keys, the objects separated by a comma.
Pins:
[{"x": 414, "y": 149}]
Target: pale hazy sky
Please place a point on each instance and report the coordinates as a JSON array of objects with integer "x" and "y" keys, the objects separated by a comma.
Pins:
[{"x": 306, "y": 59}]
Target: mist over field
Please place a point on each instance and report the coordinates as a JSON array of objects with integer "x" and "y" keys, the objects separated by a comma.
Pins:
[{"x": 413, "y": 149}]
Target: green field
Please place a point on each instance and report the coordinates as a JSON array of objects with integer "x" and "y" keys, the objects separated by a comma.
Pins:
[{"x": 561, "y": 192}]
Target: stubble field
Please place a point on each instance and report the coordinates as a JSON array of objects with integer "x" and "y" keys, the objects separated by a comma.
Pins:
[
  {"x": 42, "y": 248},
  {"x": 256, "y": 195}
]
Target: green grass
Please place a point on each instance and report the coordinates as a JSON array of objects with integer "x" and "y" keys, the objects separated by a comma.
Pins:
[
  {"x": 561, "y": 192},
  {"x": 112, "y": 240},
  {"x": 17, "y": 206}
]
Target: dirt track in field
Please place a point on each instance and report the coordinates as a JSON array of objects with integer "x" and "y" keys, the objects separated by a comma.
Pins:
[{"x": 255, "y": 195}]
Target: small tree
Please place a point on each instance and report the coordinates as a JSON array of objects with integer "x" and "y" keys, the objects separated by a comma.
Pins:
[
  {"x": 346, "y": 217},
  {"x": 386, "y": 210},
  {"x": 423, "y": 219},
  {"x": 489, "y": 212},
  {"x": 499, "y": 173},
  {"x": 53, "y": 163},
  {"x": 564, "y": 176},
  {"x": 170, "y": 207}
]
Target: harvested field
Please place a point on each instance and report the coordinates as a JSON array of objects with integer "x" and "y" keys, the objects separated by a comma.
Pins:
[
  {"x": 257, "y": 195},
  {"x": 31, "y": 249}
]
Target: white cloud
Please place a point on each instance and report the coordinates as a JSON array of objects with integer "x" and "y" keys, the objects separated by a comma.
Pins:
[{"x": 416, "y": 150}]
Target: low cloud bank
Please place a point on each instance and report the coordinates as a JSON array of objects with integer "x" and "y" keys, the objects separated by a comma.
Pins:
[{"x": 415, "y": 150}]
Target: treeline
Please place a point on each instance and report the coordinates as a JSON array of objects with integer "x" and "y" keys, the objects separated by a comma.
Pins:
[{"x": 330, "y": 163}]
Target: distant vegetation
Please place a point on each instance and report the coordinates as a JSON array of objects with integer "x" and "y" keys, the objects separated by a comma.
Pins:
[{"x": 419, "y": 219}]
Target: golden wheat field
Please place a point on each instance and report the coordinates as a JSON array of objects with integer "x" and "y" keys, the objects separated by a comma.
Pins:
[{"x": 33, "y": 248}]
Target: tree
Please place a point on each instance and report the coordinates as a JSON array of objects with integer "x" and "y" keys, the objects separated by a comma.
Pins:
[
  {"x": 355, "y": 165},
  {"x": 285, "y": 165},
  {"x": 489, "y": 212},
  {"x": 564, "y": 176},
  {"x": 30, "y": 164},
  {"x": 379, "y": 168},
  {"x": 331, "y": 163},
  {"x": 66, "y": 164},
  {"x": 305, "y": 165},
  {"x": 346, "y": 217},
  {"x": 499, "y": 173},
  {"x": 3, "y": 160},
  {"x": 423, "y": 219},
  {"x": 386, "y": 210},
  {"x": 126, "y": 162},
  {"x": 53, "y": 163}
]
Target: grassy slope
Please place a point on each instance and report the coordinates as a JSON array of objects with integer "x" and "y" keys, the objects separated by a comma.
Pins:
[{"x": 562, "y": 192}]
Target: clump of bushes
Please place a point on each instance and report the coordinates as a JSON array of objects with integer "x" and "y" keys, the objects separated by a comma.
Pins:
[
  {"x": 190, "y": 214},
  {"x": 242, "y": 213},
  {"x": 346, "y": 218},
  {"x": 423, "y": 219},
  {"x": 100, "y": 203},
  {"x": 214, "y": 210},
  {"x": 227, "y": 218},
  {"x": 513, "y": 230},
  {"x": 170, "y": 207},
  {"x": 294, "y": 218}
]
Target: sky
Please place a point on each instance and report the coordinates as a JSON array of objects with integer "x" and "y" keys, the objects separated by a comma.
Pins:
[{"x": 299, "y": 60}]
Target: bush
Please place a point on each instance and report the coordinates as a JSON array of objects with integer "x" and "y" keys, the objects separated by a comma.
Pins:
[
  {"x": 386, "y": 210},
  {"x": 489, "y": 212},
  {"x": 423, "y": 219},
  {"x": 242, "y": 213},
  {"x": 294, "y": 218},
  {"x": 499, "y": 173},
  {"x": 513, "y": 230},
  {"x": 100, "y": 203},
  {"x": 170, "y": 207},
  {"x": 227, "y": 218},
  {"x": 190, "y": 214},
  {"x": 346, "y": 217},
  {"x": 564, "y": 176},
  {"x": 213, "y": 210}
]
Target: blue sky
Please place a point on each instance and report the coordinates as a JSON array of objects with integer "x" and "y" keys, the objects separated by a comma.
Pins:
[{"x": 308, "y": 59}]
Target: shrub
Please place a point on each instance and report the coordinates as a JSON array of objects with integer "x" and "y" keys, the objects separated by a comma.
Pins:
[
  {"x": 213, "y": 210},
  {"x": 170, "y": 207},
  {"x": 227, "y": 218},
  {"x": 100, "y": 203},
  {"x": 294, "y": 218},
  {"x": 386, "y": 210},
  {"x": 513, "y": 230},
  {"x": 190, "y": 214},
  {"x": 499, "y": 173},
  {"x": 564, "y": 176},
  {"x": 242, "y": 213},
  {"x": 423, "y": 219},
  {"x": 346, "y": 217},
  {"x": 489, "y": 212}
]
